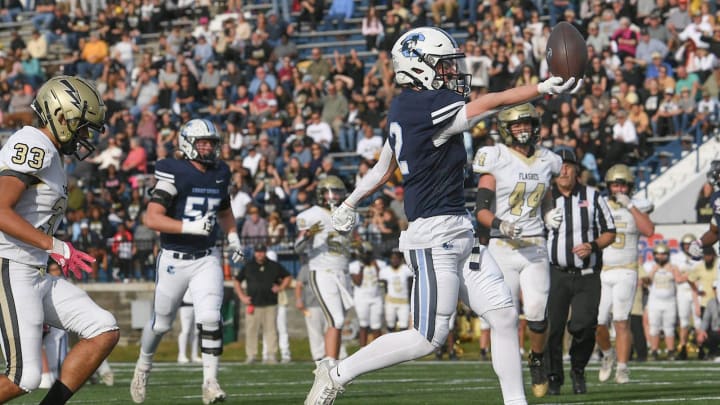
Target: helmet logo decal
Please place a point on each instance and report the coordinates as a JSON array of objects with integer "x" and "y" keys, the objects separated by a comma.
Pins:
[
  {"x": 71, "y": 92},
  {"x": 409, "y": 45}
]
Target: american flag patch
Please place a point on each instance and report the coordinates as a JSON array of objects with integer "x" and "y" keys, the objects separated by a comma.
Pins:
[{"x": 584, "y": 203}]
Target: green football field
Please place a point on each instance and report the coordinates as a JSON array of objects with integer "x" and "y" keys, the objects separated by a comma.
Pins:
[{"x": 419, "y": 382}]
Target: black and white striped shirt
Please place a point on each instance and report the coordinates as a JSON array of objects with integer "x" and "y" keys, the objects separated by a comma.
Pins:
[{"x": 586, "y": 216}]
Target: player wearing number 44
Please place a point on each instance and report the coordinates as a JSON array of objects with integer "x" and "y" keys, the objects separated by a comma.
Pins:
[
  {"x": 32, "y": 203},
  {"x": 514, "y": 180},
  {"x": 426, "y": 121},
  {"x": 190, "y": 194}
]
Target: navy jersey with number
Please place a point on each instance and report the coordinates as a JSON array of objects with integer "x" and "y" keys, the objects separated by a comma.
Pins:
[
  {"x": 197, "y": 194},
  {"x": 432, "y": 175}
]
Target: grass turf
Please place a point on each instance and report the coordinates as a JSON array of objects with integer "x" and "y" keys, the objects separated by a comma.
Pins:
[{"x": 418, "y": 382}]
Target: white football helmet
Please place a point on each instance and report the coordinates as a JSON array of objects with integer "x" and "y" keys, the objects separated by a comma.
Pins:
[
  {"x": 429, "y": 58},
  {"x": 66, "y": 105},
  {"x": 199, "y": 129}
]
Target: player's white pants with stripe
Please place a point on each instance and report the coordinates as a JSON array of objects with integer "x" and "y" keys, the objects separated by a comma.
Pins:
[
  {"x": 526, "y": 268},
  {"x": 442, "y": 274},
  {"x": 331, "y": 290},
  {"x": 203, "y": 277},
  {"x": 661, "y": 315},
  {"x": 369, "y": 311},
  {"x": 282, "y": 333},
  {"x": 616, "y": 295},
  {"x": 29, "y": 298}
]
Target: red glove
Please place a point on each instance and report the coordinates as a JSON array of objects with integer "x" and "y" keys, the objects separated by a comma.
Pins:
[{"x": 69, "y": 259}]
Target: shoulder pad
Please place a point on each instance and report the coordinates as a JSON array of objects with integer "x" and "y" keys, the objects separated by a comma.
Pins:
[{"x": 486, "y": 158}]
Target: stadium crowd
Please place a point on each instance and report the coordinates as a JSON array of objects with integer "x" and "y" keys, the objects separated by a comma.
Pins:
[{"x": 652, "y": 78}]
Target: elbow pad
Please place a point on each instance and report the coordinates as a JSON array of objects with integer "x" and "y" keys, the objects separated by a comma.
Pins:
[{"x": 485, "y": 199}]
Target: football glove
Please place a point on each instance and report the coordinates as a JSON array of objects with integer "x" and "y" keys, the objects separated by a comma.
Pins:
[
  {"x": 555, "y": 85},
  {"x": 69, "y": 259},
  {"x": 624, "y": 200},
  {"x": 235, "y": 247},
  {"x": 202, "y": 226},
  {"x": 553, "y": 218},
  {"x": 510, "y": 229},
  {"x": 696, "y": 249},
  {"x": 343, "y": 218}
]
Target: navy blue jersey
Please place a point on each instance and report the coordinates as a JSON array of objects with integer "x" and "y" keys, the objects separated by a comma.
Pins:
[
  {"x": 433, "y": 176},
  {"x": 197, "y": 194}
]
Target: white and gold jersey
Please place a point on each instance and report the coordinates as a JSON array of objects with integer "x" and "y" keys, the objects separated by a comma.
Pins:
[
  {"x": 396, "y": 280},
  {"x": 370, "y": 286},
  {"x": 330, "y": 249},
  {"x": 663, "y": 282},
  {"x": 520, "y": 184},
  {"x": 31, "y": 156},
  {"x": 623, "y": 252}
]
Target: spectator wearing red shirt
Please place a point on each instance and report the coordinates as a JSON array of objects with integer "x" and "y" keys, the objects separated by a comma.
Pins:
[
  {"x": 626, "y": 39},
  {"x": 136, "y": 160}
]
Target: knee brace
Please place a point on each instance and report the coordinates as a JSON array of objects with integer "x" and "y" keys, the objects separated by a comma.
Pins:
[
  {"x": 537, "y": 326},
  {"x": 211, "y": 338}
]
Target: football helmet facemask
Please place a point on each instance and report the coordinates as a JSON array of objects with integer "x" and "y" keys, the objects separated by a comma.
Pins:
[
  {"x": 516, "y": 115},
  {"x": 620, "y": 174},
  {"x": 194, "y": 130},
  {"x": 429, "y": 58},
  {"x": 330, "y": 192},
  {"x": 66, "y": 105},
  {"x": 713, "y": 175}
]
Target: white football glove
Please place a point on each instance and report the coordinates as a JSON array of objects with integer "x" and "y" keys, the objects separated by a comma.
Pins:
[
  {"x": 696, "y": 248},
  {"x": 554, "y": 218},
  {"x": 555, "y": 85},
  {"x": 510, "y": 229},
  {"x": 343, "y": 218},
  {"x": 624, "y": 200},
  {"x": 235, "y": 247},
  {"x": 202, "y": 226}
]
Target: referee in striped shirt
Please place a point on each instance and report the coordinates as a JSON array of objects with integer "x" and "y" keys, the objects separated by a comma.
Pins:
[{"x": 575, "y": 244}]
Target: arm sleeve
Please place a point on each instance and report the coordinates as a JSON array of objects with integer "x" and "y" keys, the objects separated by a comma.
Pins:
[{"x": 373, "y": 178}]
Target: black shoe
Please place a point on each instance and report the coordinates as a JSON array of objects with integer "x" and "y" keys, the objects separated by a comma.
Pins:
[
  {"x": 671, "y": 355},
  {"x": 655, "y": 356},
  {"x": 578, "y": 381},
  {"x": 554, "y": 385},
  {"x": 537, "y": 375},
  {"x": 452, "y": 356},
  {"x": 483, "y": 355},
  {"x": 438, "y": 354}
]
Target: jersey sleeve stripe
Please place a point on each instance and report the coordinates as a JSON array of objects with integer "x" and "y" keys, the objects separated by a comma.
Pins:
[
  {"x": 28, "y": 179},
  {"x": 453, "y": 106},
  {"x": 165, "y": 176},
  {"x": 449, "y": 114}
]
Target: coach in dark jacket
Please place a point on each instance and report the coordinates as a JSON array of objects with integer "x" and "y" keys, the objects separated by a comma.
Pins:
[
  {"x": 575, "y": 246},
  {"x": 264, "y": 280}
]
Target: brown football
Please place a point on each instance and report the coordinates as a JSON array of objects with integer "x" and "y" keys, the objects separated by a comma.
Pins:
[{"x": 566, "y": 52}]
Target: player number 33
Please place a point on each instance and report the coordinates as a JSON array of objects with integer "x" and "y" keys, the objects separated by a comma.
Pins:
[{"x": 32, "y": 156}]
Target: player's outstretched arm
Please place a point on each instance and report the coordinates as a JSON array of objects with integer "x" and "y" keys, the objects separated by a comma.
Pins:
[
  {"x": 375, "y": 178},
  {"x": 491, "y": 102}
]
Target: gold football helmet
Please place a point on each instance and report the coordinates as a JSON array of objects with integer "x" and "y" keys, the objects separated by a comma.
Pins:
[
  {"x": 660, "y": 248},
  {"x": 517, "y": 114},
  {"x": 66, "y": 105},
  {"x": 330, "y": 192},
  {"x": 619, "y": 173},
  {"x": 688, "y": 238}
]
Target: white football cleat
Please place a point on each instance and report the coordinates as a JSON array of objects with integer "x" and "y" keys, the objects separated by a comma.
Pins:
[
  {"x": 606, "y": 366},
  {"x": 138, "y": 385},
  {"x": 212, "y": 393},
  {"x": 183, "y": 360},
  {"x": 324, "y": 389},
  {"x": 622, "y": 375},
  {"x": 46, "y": 381},
  {"x": 108, "y": 378}
]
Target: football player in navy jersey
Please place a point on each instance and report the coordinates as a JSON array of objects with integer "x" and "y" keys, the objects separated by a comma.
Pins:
[
  {"x": 190, "y": 195},
  {"x": 711, "y": 235},
  {"x": 426, "y": 121}
]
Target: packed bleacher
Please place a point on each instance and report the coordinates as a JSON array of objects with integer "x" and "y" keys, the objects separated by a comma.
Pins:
[{"x": 300, "y": 90}]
